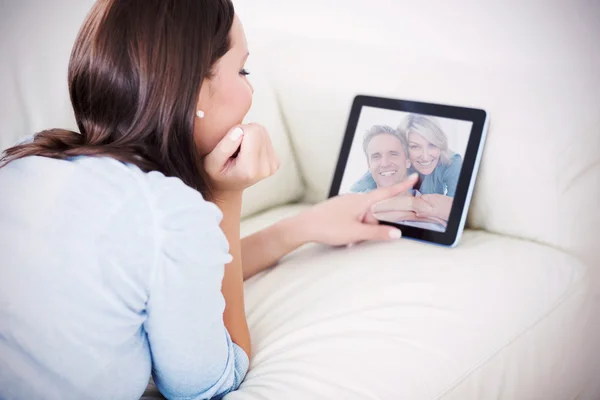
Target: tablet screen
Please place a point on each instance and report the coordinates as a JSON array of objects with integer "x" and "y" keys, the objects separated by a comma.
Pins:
[{"x": 389, "y": 145}]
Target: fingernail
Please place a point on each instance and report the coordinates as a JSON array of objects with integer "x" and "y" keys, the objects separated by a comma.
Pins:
[
  {"x": 236, "y": 133},
  {"x": 395, "y": 234},
  {"x": 414, "y": 175}
]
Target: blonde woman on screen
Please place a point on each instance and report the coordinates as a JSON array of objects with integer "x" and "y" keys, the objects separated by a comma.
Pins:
[{"x": 438, "y": 167}]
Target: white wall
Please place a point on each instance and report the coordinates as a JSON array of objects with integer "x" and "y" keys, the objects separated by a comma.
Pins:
[{"x": 512, "y": 33}]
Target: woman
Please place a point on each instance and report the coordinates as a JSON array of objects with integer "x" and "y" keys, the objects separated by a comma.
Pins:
[
  {"x": 428, "y": 152},
  {"x": 437, "y": 166},
  {"x": 121, "y": 251}
]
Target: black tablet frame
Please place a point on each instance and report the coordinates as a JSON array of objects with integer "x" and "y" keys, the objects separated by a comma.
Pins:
[{"x": 468, "y": 173}]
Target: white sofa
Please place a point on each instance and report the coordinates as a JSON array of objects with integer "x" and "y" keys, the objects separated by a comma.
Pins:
[{"x": 514, "y": 311}]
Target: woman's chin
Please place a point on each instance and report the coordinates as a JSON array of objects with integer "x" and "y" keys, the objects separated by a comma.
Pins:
[{"x": 425, "y": 170}]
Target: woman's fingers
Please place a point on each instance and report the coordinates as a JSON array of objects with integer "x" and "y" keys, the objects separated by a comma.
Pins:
[
  {"x": 379, "y": 232},
  {"x": 386, "y": 205},
  {"x": 247, "y": 165},
  {"x": 216, "y": 160},
  {"x": 253, "y": 162},
  {"x": 258, "y": 158}
]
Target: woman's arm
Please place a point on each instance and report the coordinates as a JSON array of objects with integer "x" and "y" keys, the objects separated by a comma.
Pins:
[
  {"x": 402, "y": 202},
  {"x": 395, "y": 216},
  {"x": 451, "y": 175},
  {"x": 193, "y": 355},
  {"x": 433, "y": 205},
  {"x": 337, "y": 221},
  {"x": 228, "y": 176},
  {"x": 232, "y": 288},
  {"x": 264, "y": 248}
]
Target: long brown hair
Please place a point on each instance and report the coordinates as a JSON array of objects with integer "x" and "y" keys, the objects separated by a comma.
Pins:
[{"x": 134, "y": 77}]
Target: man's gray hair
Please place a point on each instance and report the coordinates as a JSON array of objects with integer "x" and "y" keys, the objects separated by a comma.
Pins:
[{"x": 384, "y": 129}]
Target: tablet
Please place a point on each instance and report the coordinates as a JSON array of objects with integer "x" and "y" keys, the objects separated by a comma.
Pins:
[{"x": 388, "y": 139}]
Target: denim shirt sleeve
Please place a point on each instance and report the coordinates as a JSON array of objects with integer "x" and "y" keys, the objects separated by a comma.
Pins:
[
  {"x": 365, "y": 184},
  {"x": 193, "y": 356},
  {"x": 451, "y": 174}
]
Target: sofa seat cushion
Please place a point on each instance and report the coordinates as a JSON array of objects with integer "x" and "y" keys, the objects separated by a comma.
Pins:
[{"x": 493, "y": 318}]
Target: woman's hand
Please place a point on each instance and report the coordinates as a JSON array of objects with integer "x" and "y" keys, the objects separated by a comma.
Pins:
[
  {"x": 349, "y": 218},
  {"x": 433, "y": 205},
  {"x": 231, "y": 173},
  {"x": 402, "y": 202}
]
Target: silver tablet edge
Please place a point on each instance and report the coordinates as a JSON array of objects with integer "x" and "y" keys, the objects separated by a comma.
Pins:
[{"x": 474, "y": 175}]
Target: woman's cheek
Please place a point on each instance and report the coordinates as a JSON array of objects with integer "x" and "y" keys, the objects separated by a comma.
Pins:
[{"x": 249, "y": 92}]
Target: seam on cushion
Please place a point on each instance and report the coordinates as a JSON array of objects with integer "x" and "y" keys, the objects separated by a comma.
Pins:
[
  {"x": 557, "y": 236},
  {"x": 575, "y": 288}
]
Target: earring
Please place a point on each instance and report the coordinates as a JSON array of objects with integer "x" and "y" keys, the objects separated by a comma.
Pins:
[{"x": 200, "y": 114}]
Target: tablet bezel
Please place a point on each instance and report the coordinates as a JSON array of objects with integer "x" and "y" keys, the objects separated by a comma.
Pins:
[{"x": 468, "y": 173}]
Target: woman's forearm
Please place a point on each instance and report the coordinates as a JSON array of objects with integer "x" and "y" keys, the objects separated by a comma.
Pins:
[
  {"x": 443, "y": 206},
  {"x": 402, "y": 202},
  {"x": 263, "y": 249},
  {"x": 396, "y": 216},
  {"x": 234, "y": 315}
]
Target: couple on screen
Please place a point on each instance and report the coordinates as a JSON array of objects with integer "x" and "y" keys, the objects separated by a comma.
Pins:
[{"x": 420, "y": 146}]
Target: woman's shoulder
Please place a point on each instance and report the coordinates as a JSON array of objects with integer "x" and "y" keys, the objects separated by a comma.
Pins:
[
  {"x": 163, "y": 193},
  {"x": 455, "y": 164},
  {"x": 456, "y": 159},
  {"x": 103, "y": 182}
]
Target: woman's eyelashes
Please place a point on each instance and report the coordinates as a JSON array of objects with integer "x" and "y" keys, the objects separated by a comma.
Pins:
[{"x": 244, "y": 72}]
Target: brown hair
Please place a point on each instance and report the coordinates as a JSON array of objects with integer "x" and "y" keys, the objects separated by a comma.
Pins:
[{"x": 134, "y": 77}]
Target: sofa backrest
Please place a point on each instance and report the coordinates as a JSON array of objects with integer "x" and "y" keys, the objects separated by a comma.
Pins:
[
  {"x": 35, "y": 43},
  {"x": 539, "y": 82}
]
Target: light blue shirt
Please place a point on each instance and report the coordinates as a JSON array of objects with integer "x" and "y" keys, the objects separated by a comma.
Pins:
[
  {"x": 107, "y": 272},
  {"x": 443, "y": 180}
]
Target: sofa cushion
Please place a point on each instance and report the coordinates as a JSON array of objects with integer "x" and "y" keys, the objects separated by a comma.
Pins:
[
  {"x": 540, "y": 172},
  {"x": 35, "y": 95},
  {"x": 286, "y": 185},
  {"x": 494, "y": 318}
]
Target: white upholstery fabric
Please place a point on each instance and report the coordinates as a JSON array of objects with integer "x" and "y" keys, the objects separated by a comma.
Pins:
[
  {"x": 493, "y": 318},
  {"x": 286, "y": 185},
  {"x": 540, "y": 173},
  {"x": 36, "y": 42}
]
